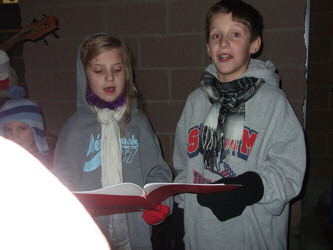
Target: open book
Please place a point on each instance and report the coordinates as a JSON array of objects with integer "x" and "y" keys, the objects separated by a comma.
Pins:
[{"x": 129, "y": 197}]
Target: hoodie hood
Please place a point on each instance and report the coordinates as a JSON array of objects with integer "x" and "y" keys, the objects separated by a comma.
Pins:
[{"x": 257, "y": 68}]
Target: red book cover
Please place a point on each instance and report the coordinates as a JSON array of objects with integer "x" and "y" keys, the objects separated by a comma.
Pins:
[{"x": 129, "y": 197}]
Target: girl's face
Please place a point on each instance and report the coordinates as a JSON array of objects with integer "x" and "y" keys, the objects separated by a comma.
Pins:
[
  {"x": 106, "y": 74},
  {"x": 21, "y": 134}
]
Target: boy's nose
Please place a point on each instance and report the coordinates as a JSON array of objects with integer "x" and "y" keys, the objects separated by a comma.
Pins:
[{"x": 224, "y": 41}]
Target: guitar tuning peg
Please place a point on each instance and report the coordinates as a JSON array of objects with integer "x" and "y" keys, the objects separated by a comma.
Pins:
[
  {"x": 34, "y": 20},
  {"x": 55, "y": 35},
  {"x": 46, "y": 42}
]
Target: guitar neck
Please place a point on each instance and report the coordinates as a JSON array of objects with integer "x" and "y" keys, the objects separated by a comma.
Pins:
[
  {"x": 12, "y": 42},
  {"x": 32, "y": 32}
]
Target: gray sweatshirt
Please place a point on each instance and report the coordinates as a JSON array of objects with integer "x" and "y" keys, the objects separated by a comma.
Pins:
[
  {"x": 272, "y": 146},
  {"x": 77, "y": 161}
]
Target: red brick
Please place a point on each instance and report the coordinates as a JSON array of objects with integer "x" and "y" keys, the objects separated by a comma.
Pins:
[
  {"x": 330, "y": 144},
  {"x": 184, "y": 82},
  {"x": 165, "y": 142},
  {"x": 321, "y": 167},
  {"x": 164, "y": 116},
  {"x": 59, "y": 54},
  {"x": 321, "y": 6},
  {"x": 174, "y": 51},
  {"x": 317, "y": 98},
  {"x": 153, "y": 84},
  {"x": 64, "y": 85},
  {"x": 331, "y": 98},
  {"x": 321, "y": 25},
  {"x": 298, "y": 108},
  {"x": 281, "y": 14},
  {"x": 188, "y": 15},
  {"x": 320, "y": 74},
  {"x": 136, "y": 18},
  {"x": 39, "y": 84},
  {"x": 317, "y": 144},
  {"x": 320, "y": 121},
  {"x": 320, "y": 49},
  {"x": 293, "y": 82},
  {"x": 79, "y": 21},
  {"x": 132, "y": 43},
  {"x": 287, "y": 47},
  {"x": 56, "y": 114}
]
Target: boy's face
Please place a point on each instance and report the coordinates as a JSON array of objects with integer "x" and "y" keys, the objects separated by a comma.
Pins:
[
  {"x": 21, "y": 134},
  {"x": 106, "y": 75},
  {"x": 229, "y": 46}
]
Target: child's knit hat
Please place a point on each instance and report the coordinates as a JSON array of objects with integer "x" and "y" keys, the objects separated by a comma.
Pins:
[{"x": 24, "y": 110}]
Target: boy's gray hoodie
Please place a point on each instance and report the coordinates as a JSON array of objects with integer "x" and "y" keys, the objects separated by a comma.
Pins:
[
  {"x": 272, "y": 146},
  {"x": 77, "y": 161}
]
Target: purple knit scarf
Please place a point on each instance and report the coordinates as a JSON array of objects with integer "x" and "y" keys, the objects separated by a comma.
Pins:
[{"x": 94, "y": 100}]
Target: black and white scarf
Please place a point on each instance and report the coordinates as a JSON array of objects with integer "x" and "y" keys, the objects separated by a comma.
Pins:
[{"x": 225, "y": 97}]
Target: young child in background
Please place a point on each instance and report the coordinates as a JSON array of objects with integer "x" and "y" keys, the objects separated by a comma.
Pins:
[
  {"x": 21, "y": 121},
  {"x": 238, "y": 128},
  {"x": 109, "y": 141}
]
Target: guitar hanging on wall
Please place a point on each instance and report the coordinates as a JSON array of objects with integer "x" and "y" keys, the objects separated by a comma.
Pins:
[{"x": 33, "y": 32}]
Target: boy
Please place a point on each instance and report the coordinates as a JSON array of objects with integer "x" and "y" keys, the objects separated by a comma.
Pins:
[{"x": 238, "y": 128}]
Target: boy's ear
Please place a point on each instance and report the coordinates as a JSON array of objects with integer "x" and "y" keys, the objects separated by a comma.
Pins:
[
  {"x": 208, "y": 51},
  {"x": 255, "y": 45}
]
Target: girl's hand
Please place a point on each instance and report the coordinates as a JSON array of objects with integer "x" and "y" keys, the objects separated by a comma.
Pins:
[{"x": 153, "y": 217}]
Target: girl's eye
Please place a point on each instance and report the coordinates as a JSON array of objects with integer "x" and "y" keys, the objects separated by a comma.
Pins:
[
  {"x": 215, "y": 36},
  {"x": 236, "y": 35},
  {"x": 117, "y": 70},
  {"x": 22, "y": 128},
  {"x": 7, "y": 131}
]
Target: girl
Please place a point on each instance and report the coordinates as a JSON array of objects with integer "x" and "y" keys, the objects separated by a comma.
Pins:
[
  {"x": 109, "y": 141},
  {"x": 21, "y": 121}
]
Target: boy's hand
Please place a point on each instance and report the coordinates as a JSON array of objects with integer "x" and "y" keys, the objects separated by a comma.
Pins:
[
  {"x": 228, "y": 204},
  {"x": 152, "y": 217}
]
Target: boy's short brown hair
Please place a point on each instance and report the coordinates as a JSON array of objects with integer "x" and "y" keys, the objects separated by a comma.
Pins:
[{"x": 241, "y": 12}]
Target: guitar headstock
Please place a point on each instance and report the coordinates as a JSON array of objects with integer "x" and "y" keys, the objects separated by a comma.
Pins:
[{"x": 40, "y": 28}]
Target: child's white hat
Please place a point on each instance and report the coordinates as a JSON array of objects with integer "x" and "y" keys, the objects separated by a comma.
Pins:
[
  {"x": 8, "y": 75},
  {"x": 4, "y": 66}
]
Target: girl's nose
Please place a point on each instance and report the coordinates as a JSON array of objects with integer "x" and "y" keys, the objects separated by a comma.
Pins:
[
  {"x": 109, "y": 76},
  {"x": 15, "y": 136}
]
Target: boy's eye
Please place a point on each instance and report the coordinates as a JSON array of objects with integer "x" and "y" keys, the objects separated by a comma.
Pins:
[
  {"x": 215, "y": 36},
  {"x": 236, "y": 35}
]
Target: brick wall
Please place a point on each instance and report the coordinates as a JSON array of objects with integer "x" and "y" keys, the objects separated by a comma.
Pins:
[{"x": 319, "y": 122}]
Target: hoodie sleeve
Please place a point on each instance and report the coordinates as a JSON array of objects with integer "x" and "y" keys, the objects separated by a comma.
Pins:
[
  {"x": 154, "y": 167},
  {"x": 283, "y": 167},
  {"x": 63, "y": 163}
]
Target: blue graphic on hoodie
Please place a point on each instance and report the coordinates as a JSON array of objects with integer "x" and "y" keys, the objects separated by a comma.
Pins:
[{"x": 129, "y": 149}]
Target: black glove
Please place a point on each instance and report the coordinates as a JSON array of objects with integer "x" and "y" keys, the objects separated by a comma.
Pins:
[{"x": 228, "y": 204}]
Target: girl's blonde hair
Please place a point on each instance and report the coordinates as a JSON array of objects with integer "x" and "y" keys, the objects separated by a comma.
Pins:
[{"x": 99, "y": 43}]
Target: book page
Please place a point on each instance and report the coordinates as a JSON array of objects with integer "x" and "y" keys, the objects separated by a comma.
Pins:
[
  {"x": 118, "y": 189},
  {"x": 158, "y": 192}
]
